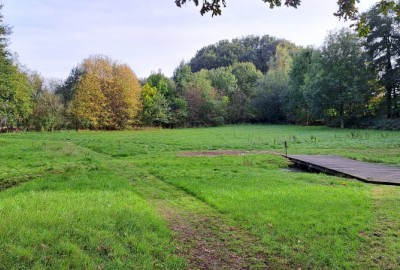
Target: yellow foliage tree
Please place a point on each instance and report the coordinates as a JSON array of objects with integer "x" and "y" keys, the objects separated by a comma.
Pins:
[
  {"x": 125, "y": 101},
  {"x": 106, "y": 96}
]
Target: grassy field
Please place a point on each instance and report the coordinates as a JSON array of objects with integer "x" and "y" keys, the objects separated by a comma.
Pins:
[{"x": 121, "y": 200}]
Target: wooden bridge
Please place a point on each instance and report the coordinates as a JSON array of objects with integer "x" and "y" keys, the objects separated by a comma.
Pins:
[{"x": 339, "y": 166}]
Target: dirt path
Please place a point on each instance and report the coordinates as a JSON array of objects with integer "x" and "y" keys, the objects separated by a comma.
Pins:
[
  {"x": 207, "y": 242},
  {"x": 203, "y": 236}
]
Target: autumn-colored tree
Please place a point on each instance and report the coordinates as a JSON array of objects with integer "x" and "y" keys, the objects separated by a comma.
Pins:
[
  {"x": 124, "y": 100},
  {"x": 106, "y": 95},
  {"x": 89, "y": 104}
]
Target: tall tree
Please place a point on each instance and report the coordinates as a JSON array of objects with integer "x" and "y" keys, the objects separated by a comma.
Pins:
[
  {"x": 15, "y": 90},
  {"x": 5, "y": 31},
  {"x": 161, "y": 107},
  {"x": 106, "y": 95},
  {"x": 240, "y": 108},
  {"x": 15, "y": 96},
  {"x": 273, "y": 87},
  {"x": 48, "y": 112},
  {"x": 296, "y": 106},
  {"x": 204, "y": 104},
  {"x": 48, "y": 109},
  {"x": 182, "y": 75},
  {"x": 124, "y": 97},
  {"x": 155, "y": 107},
  {"x": 67, "y": 89},
  {"x": 89, "y": 104},
  {"x": 339, "y": 82},
  {"x": 383, "y": 46}
]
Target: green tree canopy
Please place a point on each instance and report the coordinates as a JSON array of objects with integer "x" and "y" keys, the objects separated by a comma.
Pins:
[
  {"x": 272, "y": 89},
  {"x": 182, "y": 75},
  {"x": 48, "y": 112},
  {"x": 338, "y": 84},
  {"x": 240, "y": 108},
  {"x": 15, "y": 89},
  {"x": 155, "y": 107},
  {"x": 5, "y": 31},
  {"x": 254, "y": 49},
  {"x": 383, "y": 46},
  {"x": 164, "y": 85},
  {"x": 205, "y": 106},
  {"x": 296, "y": 104},
  {"x": 223, "y": 80}
]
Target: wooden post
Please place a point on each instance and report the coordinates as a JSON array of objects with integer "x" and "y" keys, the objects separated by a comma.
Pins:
[{"x": 286, "y": 147}]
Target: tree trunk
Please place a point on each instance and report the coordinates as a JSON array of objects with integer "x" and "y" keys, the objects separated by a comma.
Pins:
[
  {"x": 388, "y": 101},
  {"x": 388, "y": 79},
  {"x": 395, "y": 112},
  {"x": 341, "y": 115}
]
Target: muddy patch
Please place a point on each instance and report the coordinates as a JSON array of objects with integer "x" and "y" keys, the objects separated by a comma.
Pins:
[{"x": 217, "y": 153}]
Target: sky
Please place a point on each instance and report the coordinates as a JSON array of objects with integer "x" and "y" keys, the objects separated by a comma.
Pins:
[{"x": 53, "y": 36}]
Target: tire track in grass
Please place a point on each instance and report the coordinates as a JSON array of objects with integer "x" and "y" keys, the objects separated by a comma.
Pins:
[
  {"x": 24, "y": 178},
  {"x": 206, "y": 238}
]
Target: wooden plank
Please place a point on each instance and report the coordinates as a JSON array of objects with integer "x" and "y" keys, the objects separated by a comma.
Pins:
[{"x": 364, "y": 171}]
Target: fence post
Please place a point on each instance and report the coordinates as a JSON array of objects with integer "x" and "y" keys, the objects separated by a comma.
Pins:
[{"x": 286, "y": 147}]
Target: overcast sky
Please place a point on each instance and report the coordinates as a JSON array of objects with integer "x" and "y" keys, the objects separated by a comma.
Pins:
[{"x": 53, "y": 36}]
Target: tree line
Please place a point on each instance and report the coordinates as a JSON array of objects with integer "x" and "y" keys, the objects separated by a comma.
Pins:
[{"x": 348, "y": 81}]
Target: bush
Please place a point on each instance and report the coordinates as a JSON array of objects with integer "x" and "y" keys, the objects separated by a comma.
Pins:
[{"x": 378, "y": 123}]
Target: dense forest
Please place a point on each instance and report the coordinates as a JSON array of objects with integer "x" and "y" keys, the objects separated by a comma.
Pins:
[{"x": 350, "y": 81}]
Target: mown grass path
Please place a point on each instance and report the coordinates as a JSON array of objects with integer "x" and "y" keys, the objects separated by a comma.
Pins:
[
  {"x": 382, "y": 239},
  {"x": 205, "y": 237}
]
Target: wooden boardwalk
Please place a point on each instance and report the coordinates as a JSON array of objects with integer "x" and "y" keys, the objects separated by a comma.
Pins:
[{"x": 364, "y": 171}]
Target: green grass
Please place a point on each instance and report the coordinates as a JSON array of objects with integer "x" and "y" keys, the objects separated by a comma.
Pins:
[
  {"x": 74, "y": 207},
  {"x": 84, "y": 216},
  {"x": 311, "y": 221},
  {"x": 357, "y": 144}
]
